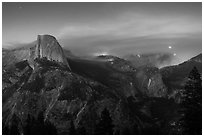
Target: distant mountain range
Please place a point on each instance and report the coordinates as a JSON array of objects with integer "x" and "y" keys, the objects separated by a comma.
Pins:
[{"x": 44, "y": 81}]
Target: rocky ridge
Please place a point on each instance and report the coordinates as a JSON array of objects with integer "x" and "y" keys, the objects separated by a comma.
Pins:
[{"x": 46, "y": 47}]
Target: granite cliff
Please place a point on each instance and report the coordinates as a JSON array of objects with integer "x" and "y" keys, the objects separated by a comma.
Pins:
[{"x": 46, "y": 47}]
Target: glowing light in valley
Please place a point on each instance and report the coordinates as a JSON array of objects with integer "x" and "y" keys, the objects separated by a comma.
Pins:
[
  {"x": 138, "y": 55},
  {"x": 101, "y": 54},
  {"x": 170, "y": 47}
]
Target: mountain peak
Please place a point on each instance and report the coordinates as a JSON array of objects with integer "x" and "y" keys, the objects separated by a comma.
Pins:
[{"x": 48, "y": 47}]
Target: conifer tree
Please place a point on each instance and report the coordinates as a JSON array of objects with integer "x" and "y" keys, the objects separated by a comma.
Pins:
[
  {"x": 105, "y": 126},
  {"x": 14, "y": 126},
  {"x": 72, "y": 130},
  {"x": 191, "y": 105}
]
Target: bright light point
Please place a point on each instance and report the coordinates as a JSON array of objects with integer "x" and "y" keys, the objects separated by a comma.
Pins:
[
  {"x": 111, "y": 59},
  {"x": 138, "y": 55},
  {"x": 174, "y": 54},
  {"x": 170, "y": 47},
  {"x": 101, "y": 54}
]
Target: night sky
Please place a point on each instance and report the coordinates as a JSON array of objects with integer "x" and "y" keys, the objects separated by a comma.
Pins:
[{"x": 108, "y": 28}]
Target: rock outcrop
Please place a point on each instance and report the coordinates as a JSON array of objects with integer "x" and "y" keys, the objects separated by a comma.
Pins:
[
  {"x": 10, "y": 57},
  {"x": 48, "y": 47},
  {"x": 149, "y": 80}
]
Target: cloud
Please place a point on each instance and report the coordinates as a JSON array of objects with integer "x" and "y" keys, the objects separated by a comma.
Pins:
[
  {"x": 151, "y": 59},
  {"x": 133, "y": 25},
  {"x": 160, "y": 59},
  {"x": 127, "y": 31}
]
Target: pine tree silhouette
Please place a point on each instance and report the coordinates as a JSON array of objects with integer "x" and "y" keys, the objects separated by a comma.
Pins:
[
  {"x": 191, "y": 105},
  {"x": 28, "y": 126},
  {"x": 105, "y": 126},
  {"x": 81, "y": 131},
  {"x": 38, "y": 126},
  {"x": 72, "y": 130},
  {"x": 14, "y": 126},
  {"x": 50, "y": 128},
  {"x": 5, "y": 130}
]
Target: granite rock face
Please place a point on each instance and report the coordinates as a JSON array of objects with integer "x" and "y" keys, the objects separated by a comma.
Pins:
[
  {"x": 10, "y": 57},
  {"x": 149, "y": 80},
  {"x": 48, "y": 47}
]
